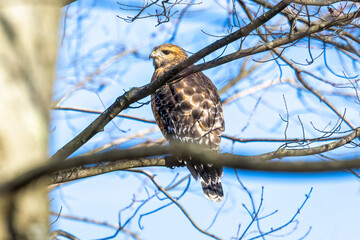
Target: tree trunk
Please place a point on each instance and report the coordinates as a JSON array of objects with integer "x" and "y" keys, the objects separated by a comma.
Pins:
[{"x": 28, "y": 45}]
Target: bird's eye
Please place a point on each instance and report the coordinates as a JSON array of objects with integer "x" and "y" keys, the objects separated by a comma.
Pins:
[{"x": 166, "y": 52}]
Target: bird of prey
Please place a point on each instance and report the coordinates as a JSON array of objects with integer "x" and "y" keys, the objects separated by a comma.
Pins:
[{"x": 189, "y": 110}]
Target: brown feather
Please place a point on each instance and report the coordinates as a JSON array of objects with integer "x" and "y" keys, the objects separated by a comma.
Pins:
[{"x": 189, "y": 110}]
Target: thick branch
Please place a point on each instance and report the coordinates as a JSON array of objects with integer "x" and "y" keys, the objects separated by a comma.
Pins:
[
  {"x": 322, "y": 2},
  {"x": 135, "y": 158},
  {"x": 89, "y": 171}
]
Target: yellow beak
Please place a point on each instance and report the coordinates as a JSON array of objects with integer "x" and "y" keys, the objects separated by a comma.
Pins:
[{"x": 153, "y": 54}]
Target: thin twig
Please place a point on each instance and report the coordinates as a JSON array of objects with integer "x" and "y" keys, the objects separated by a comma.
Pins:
[{"x": 151, "y": 177}]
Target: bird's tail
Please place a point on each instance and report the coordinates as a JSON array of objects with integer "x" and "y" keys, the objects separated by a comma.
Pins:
[
  {"x": 210, "y": 177},
  {"x": 213, "y": 189}
]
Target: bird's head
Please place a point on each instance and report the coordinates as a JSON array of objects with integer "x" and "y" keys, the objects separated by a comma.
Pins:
[{"x": 167, "y": 55}]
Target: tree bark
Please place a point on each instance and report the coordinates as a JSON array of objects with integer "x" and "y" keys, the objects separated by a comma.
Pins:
[{"x": 28, "y": 37}]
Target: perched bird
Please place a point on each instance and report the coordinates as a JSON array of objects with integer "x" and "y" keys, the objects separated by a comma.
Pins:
[{"x": 189, "y": 110}]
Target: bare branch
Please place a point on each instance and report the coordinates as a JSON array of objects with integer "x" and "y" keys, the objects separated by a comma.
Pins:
[
  {"x": 151, "y": 177},
  {"x": 315, "y": 28},
  {"x": 135, "y": 158},
  {"x": 62, "y": 233},
  {"x": 89, "y": 171},
  {"x": 322, "y": 2},
  {"x": 307, "y": 196},
  {"x": 87, "y": 220}
]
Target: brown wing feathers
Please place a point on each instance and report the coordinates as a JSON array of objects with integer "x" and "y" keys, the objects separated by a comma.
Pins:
[{"x": 189, "y": 110}]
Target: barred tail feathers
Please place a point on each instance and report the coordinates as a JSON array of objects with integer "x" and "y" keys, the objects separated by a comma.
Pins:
[
  {"x": 213, "y": 189},
  {"x": 210, "y": 177}
]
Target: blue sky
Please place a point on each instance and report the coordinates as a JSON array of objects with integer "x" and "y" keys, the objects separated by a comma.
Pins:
[{"x": 93, "y": 35}]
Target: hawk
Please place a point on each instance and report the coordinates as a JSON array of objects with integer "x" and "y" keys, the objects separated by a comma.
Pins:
[{"x": 189, "y": 110}]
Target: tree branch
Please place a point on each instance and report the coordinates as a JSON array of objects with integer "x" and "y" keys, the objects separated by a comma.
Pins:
[
  {"x": 152, "y": 178},
  {"x": 89, "y": 171},
  {"x": 137, "y": 157},
  {"x": 322, "y": 2},
  {"x": 91, "y": 221},
  {"x": 62, "y": 233},
  {"x": 315, "y": 28}
]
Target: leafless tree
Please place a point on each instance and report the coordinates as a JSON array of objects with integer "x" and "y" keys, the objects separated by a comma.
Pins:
[{"x": 312, "y": 45}]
